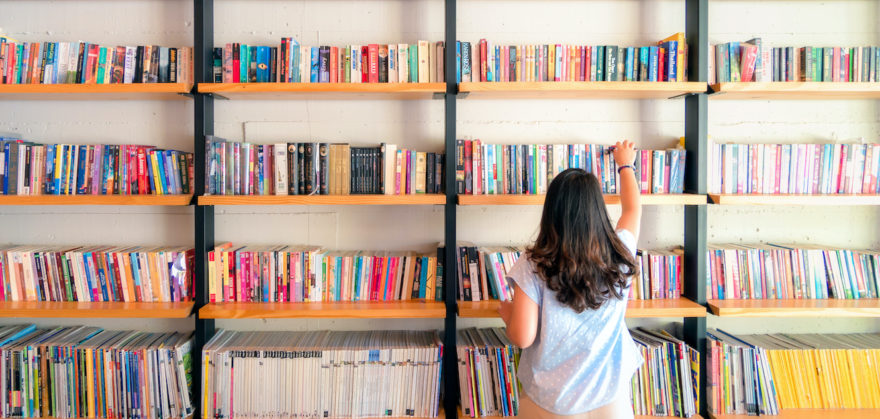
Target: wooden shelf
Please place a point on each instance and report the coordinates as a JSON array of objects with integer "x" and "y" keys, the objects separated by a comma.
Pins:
[
  {"x": 462, "y": 416},
  {"x": 418, "y": 199},
  {"x": 832, "y": 199},
  {"x": 169, "y": 200},
  {"x": 795, "y": 91},
  {"x": 579, "y": 90},
  {"x": 133, "y": 91},
  {"x": 811, "y": 414},
  {"x": 796, "y": 308},
  {"x": 298, "y": 91},
  {"x": 410, "y": 309},
  {"x": 95, "y": 310},
  {"x": 681, "y": 307},
  {"x": 647, "y": 199}
]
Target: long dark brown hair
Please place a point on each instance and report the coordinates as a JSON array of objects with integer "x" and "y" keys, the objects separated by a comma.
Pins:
[{"x": 577, "y": 250}]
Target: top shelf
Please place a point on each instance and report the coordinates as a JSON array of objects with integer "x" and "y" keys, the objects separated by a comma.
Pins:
[
  {"x": 133, "y": 91},
  {"x": 302, "y": 91},
  {"x": 579, "y": 90},
  {"x": 794, "y": 91}
]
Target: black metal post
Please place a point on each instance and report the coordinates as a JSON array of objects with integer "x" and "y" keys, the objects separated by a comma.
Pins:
[
  {"x": 450, "y": 355},
  {"x": 696, "y": 170},
  {"x": 204, "y": 215}
]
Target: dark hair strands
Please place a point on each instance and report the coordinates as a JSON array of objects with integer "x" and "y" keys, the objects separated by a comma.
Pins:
[{"x": 577, "y": 251}]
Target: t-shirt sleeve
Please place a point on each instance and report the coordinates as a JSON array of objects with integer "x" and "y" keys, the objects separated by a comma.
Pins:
[
  {"x": 628, "y": 240},
  {"x": 524, "y": 276}
]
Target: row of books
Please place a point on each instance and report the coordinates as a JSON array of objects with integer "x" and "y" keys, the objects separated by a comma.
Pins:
[
  {"x": 791, "y": 272},
  {"x": 666, "y": 383},
  {"x": 795, "y": 168},
  {"x": 290, "y": 62},
  {"x": 96, "y": 273},
  {"x": 240, "y": 168},
  {"x": 482, "y": 273},
  {"x": 763, "y": 374},
  {"x": 28, "y": 168},
  {"x": 496, "y": 169},
  {"x": 87, "y": 63},
  {"x": 80, "y": 371},
  {"x": 322, "y": 374},
  {"x": 485, "y": 61},
  {"x": 752, "y": 61},
  {"x": 487, "y": 365},
  {"x": 308, "y": 274}
]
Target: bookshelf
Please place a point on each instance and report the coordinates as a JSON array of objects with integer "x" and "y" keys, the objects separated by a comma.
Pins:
[
  {"x": 321, "y": 91},
  {"x": 794, "y": 91},
  {"x": 832, "y": 199},
  {"x": 108, "y": 310},
  {"x": 681, "y": 307},
  {"x": 811, "y": 414},
  {"x": 134, "y": 91},
  {"x": 463, "y": 416},
  {"x": 160, "y": 200},
  {"x": 649, "y": 199},
  {"x": 416, "y": 309},
  {"x": 579, "y": 90},
  {"x": 796, "y": 308},
  {"x": 419, "y": 199}
]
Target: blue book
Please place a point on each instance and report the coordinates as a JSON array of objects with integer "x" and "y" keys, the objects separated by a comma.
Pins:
[
  {"x": 262, "y": 64},
  {"x": 671, "y": 60},
  {"x": 82, "y": 64},
  {"x": 296, "y": 59},
  {"x": 653, "y": 63},
  {"x": 19, "y": 334},
  {"x": 260, "y": 162},
  {"x": 498, "y": 63},
  {"x": 458, "y": 61},
  {"x": 50, "y": 169},
  {"x": 644, "y": 53},
  {"x": 169, "y": 173},
  {"x": 243, "y": 56},
  {"x": 313, "y": 74},
  {"x": 630, "y": 62},
  {"x": 490, "y": 69},
  {"x": 324, "y": 64},
  {"x": 5, "y": 185},
  {"x": 160, "y": 157},
  {"x": 81, "y": 184},
  {"x": 135, "y": 272},
  {"x": 423, "y": 277},
  {"x": 357, "y": 284}
]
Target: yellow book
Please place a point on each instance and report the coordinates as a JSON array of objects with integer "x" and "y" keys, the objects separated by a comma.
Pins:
[
  {"x": 681, "y": 55},
  {"x": 157, "y": 181},
  {"x": 90, "y": 382},
  {"x": 551, "y": 63},
  {"x": 572, "y": 63}
]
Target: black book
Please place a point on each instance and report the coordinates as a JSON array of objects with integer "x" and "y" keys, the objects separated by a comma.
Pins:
[
  {"x": 380, "y": 179},
  {"x": 378, "y": 160},
  {"x": 440, "y": 179},
  {"x": 292, "y": 169},
  {"x": 139, "y": 65},
  {"x": 301, "y": 163},
  {"x": 252, "y": 67},
  {"x": 459, "y": 166},
  {"x": 273, "y": 64},
  {"x": 354, "y": 170},
  {"x": 154, "y": 65},
  {"x": 600, "y": 59},
  {"x": 79, "y": 62},
  {"x": 323, "y": 167},
  {"x": 464, "y": 274},
  {"x": 429, "y": 172},
  {"x": 522, "y": 159},
  {"x": 611, "y": 63},
  {"x": 417, "y": 278},
  {"x": 310, "y": 171},
  {"x": 217, "y": 70},
  {"x": 184, "y": 174},
  {"x": 383, "y": 64}
]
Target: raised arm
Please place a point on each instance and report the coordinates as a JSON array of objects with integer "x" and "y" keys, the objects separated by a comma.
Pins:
[{"x": 630, "y": 203}]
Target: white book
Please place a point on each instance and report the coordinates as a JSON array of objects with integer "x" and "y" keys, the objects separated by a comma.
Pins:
[
  {"x": 73, "y": 62},
  {"x": 393, "y": 75},
  {"x": 304, "y": 70},
  {"x": 128, "y": 70},
  {"x": 390, "y": 168},
  {"x": 280, "y": 169},
  {"x": 403, "y": 63},
  {"x": 424, "y": 75},
  {"x": 356, "y": 64},
  {"x": 63, "y": 62}
]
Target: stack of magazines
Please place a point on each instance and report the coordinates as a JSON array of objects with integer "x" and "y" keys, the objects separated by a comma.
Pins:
[
  {"x": 487, "y": 364},
  {"x": 322, "y": 374},
  {"x": 665, "y": 385}
]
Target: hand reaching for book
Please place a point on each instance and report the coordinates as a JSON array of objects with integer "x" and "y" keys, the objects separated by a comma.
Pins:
[{"x": 624, "y": 153}]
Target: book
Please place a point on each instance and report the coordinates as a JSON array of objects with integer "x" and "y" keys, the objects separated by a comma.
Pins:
[
  {"x": 487, "y": 366},
  {"x": 666, "y": 384},
  {"x": 785, "y": 64}
]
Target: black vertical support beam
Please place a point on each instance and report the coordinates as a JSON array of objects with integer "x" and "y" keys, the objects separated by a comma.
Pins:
[
  {"x": 204, "y": 215},
  {"x": 450, "y": 356},
  {"x": 696, "y": 171}
]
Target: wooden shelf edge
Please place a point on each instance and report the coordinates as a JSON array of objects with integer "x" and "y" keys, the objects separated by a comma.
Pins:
[
  {"x": 792, "y": 199},
  {"x": 794, "y": 90},
  {"x": 463, "y": 416},
  {"x": 810, "y": 414},
  {"x": 300, "y": 88},
  {"x": 166, "y": 200},
  {"x": 131, "y": 91},
  {"x": 416, "y": 309},
  {"x": 56, "y": 309},
  {"x": 647, "y": 199},
  {"x": 416, "y": 199},
  {"x": 795, "y": 308},
  {"x": 681, "y": 307}
]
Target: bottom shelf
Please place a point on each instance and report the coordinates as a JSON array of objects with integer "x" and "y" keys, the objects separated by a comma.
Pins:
[{"x": 812, "y": 414}]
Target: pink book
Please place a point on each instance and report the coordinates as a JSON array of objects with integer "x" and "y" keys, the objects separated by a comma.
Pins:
[
  {"x": 841, "y": 176},
  {"x": 477, "y": 166},
  {"x": 666, "y": 177},
  {"x": 749, "y": 54},
  {"x": 644, "y": 172},
  {"x": 778, "y": 166},
  {"x": 835, "y": 64}
]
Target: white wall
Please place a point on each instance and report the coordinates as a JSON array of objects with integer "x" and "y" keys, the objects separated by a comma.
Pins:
[{"x": 419, "y": 124}]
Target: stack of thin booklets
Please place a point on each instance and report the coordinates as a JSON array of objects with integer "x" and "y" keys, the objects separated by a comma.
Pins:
[
  {"x": 761, "y": 374},
  {"x": 96, "y": 273},
  {"x": 487, "y": 364},
  {"x": 322, "y": 374},
  {"x": 795, "y": 168},
  {"x": 791, "y": 272},
  {"x": 498, "y": 169},
  {"x": 666, "y": 384},
  {"x": 298, "y": 274},
  {"x": 660, "y": 275},
  {"x": 87, "y": 372}
]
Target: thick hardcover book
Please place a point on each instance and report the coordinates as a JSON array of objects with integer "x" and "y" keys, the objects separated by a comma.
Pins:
[
  {"x": 373, "y": 51},
  {"x": 383, "y": 63},
  {"x": 323, "y": 168},
  {"x": 303, "y": 172},
  {"x": 611, "y": 63},
  {"x": 459, "y": 167},
  {"x": 293, "y": 168}
]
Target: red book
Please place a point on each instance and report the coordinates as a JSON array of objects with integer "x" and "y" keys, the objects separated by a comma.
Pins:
[
  {"x": 588, "y": 67},
  {"x": 476, "y": 155},
  {"x": 374, "y": 279},
  {"x": 374, "y": 63},
  {"x": 844, "y": 72},
  {"x": 334, "y": 65},
  {"x": 749, "y": 56},
  {"x": 468, "y": 167},
  {"x": 579, "y": 74},
  {"x": 143, "y": 182},
  {"x": 365, "y": 64},
  {"x": 236, "y": 63},
  {"x": 661, "y": 64},
  {"x": 483, "y": 60},
  {"x": 92, "y": 63}
]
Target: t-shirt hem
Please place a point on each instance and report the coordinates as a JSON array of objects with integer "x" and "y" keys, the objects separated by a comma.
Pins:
[{"x": 561, "y": 413}]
